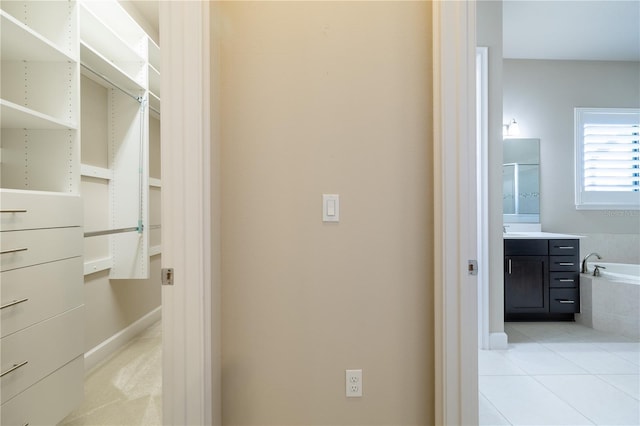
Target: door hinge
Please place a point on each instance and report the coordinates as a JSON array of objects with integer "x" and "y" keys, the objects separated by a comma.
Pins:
[
  {"x": 472, "y": 267},
  {"x": 167, "y": 276}
]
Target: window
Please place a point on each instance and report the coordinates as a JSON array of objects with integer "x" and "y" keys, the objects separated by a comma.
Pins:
[{"x": 607, "y": 149}]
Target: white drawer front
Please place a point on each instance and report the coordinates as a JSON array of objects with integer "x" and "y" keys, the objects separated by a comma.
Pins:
[
  {"x": 49, "y": 289},
  {"x": 45, "y": 347},
  {"x": 32, "y": 210},
  {"x": 26, "y": 248},
  {"x": 48, "y": 401}
]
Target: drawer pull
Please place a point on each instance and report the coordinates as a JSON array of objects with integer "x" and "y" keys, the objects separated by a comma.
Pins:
[
  {"x": 15, "y": 302},
  {"x": 16, "y": 250},
  {"x": 566, "y": 302},
  {"x": 14, "y": 368},
  {"x": 509, "y": 266},
  {"x": 566, "y": 263},
  {"x": 13, "y": 211},
  {"x": 565, "y": 247},
  {"x": 566, "y": 280}
]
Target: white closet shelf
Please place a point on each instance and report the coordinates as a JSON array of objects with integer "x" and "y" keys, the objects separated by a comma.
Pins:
[
  {"x": 154, "y": 80},
  {"x": 154, "y": 102},
  {"x": 114, "y": 18},
  {"x": 98, "y": 63},
  {"x": 21, "y": 43},
  {"x": 155, "y": 183},
  {"x": 15, "y": 116},
  {"x": 153, "y": 54},
  {"x": 95, "y": 32}
]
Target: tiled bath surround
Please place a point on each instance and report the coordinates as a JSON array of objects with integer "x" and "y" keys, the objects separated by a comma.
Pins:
[
  {"x": 610, "y": 306},
  {"x": 617, "y": 248}
]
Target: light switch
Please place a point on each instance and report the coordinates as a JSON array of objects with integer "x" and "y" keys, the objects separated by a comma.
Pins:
[{"x": 330, "y": 207}]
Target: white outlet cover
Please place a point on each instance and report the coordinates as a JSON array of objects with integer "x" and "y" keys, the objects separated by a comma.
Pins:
[{"x": 353, "y": 381}]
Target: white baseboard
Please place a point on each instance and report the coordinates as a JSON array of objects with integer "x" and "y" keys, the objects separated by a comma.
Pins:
[
  {"x": 108, "y": 347},
  {"x": 498, "y": 341}
]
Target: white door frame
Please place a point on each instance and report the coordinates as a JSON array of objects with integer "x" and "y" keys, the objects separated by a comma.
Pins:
[
  {"x": 186, "y": 221},
  {"x": 456, "y": 300},
  {"x": 186, "y": 170},
  {"x": 482, "y": 169}
]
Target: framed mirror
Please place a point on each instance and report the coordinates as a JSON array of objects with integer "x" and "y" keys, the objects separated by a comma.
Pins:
[{"x": 521, "y": 180}]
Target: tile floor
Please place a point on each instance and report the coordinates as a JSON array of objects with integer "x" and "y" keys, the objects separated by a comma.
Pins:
[
  {"x": 560, "y": 374},
  {"x": 125, "y": 389},
  {"x": 552, "y": 374}
]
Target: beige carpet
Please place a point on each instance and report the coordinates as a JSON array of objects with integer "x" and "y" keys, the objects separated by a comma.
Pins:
[{"x": 126, "y": 389}]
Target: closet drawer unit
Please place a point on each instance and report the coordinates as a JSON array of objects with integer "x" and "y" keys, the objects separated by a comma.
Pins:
[
  {"x": 564, "y": 300},
  {"x": 37, "y": 351},
  {"x": 33, "y": 210},
  {"x": 564, "y": 248},
  {"x": 564, "y": 263},
  {"x": 33, "y": 247},
  {"x": 34, "y": 294},
  {"x": 54, "y": 396},
  {"x": 564, "y": 279}
]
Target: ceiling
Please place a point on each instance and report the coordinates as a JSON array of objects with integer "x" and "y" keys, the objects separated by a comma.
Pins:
[
  {"x": 542, "y": 29},
  {"x": 579, "y": 30}
]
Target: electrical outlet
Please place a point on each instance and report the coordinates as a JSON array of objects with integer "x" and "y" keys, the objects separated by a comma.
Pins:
[{"x": 354, "y": 383}]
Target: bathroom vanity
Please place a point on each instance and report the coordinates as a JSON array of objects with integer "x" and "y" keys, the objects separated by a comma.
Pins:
[{"x": 541, "y": 276}]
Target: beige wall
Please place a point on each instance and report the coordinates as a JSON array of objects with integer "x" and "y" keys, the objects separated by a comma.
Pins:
[
  {"x": 110, "y": 305},
  {"x": 326, "y": 97}
]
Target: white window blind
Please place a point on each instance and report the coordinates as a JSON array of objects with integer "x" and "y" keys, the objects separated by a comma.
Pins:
[{"x": 607, "y": 147}]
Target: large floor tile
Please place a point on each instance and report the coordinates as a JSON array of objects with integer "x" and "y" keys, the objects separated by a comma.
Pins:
[
  {"x": 543, "y": 362},
  {"x": 523, "y": 401},
  {"x": 597, "y": 400},
  {"x": 488, "y": 415},
  {"x": 628, "y": 383},
  {"x": 494, "y": 363}
]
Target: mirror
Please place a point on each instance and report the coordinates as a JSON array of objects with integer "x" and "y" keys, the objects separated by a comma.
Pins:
[{"x": 521, "y": 181}]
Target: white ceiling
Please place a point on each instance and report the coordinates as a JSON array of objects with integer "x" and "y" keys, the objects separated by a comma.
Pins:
[
  {"x": 544, "y": 29},
  {"x": 588, "y": 30}
]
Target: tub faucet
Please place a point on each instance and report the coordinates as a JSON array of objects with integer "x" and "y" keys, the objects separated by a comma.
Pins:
[
  {"x": 596, "y": 270},
  {"x": 584, "y": 261}
]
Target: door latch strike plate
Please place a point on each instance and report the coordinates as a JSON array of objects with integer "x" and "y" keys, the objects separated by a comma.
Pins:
[
  {"x": 167, "y": 276},
  {"x": 473, "y": 267}
]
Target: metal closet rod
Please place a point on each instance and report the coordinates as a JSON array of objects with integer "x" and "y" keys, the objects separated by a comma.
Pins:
[
  {"x": 105, "y": 78},
  {"x": 116, "y": 231},
  {"x": 110, "y": 231}
]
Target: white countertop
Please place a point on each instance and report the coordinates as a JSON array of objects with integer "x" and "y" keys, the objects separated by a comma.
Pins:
[{"x": 539, "y": 236}]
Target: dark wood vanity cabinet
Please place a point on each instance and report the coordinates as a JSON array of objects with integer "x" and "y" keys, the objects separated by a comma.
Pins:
[{"x": 541, "y": 279}]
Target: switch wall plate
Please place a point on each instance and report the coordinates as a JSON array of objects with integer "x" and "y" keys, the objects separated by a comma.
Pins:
[{"x": 330, "y": 207}]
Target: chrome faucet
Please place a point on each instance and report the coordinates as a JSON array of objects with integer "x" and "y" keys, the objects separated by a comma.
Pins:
[
  {"x": 584, "y": 261},
  {"x": 596, "y": 270}
]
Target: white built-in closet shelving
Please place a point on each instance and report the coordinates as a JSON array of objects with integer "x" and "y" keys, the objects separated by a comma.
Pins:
[
  {"x": 45, "y": 48},
  {"x": 41, "y": 293},
  {"x": 116, "y": 53}
]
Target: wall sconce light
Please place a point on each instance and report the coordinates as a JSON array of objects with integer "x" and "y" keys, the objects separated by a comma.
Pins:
[{"x": 513, "y": 129}]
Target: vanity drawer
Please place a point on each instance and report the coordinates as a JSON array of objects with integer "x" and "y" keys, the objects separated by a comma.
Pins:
[
  {"x": 564, "y": 279},
  {"x": 33, "y": 247},
  {"x": 32, "y": 210},
  {"x": 564, "y": 247},
  {"x": 49, "y": 289},
  {"x": 564, "y": 263},
  {"x": 40, "y": 350},
  {"x": 525, "y": 247},
  {"x": 564, "y": 300},
  {"x": 45, "y": 403}
]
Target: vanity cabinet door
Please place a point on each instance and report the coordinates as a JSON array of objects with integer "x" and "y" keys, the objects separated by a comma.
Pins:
[{"x": 526, "y": 284}]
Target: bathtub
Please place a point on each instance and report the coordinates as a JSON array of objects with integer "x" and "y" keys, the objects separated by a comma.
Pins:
[{"x": 611, "y": 302}]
